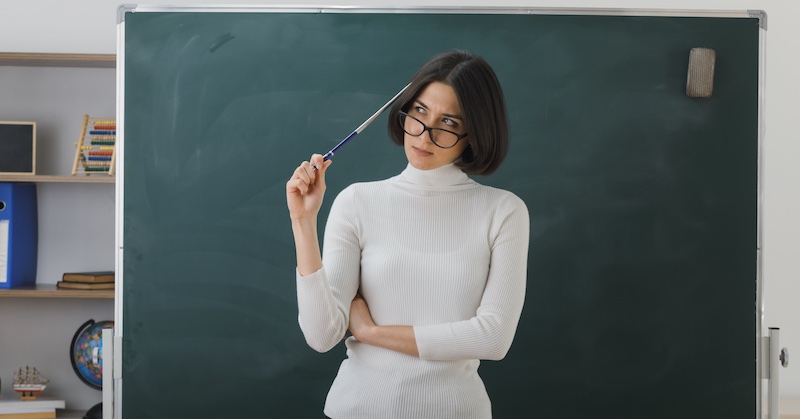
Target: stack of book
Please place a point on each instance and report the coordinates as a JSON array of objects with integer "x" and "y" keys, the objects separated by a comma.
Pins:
[
  {"x": 100, "y": 280},
  {"x": 41, "y": 408}
]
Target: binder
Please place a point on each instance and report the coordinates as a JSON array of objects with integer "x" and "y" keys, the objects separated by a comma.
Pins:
[{"x": 19, "y": 234}]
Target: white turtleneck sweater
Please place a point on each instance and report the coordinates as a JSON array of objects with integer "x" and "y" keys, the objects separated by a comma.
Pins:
[{"x": 430, "y": 249}]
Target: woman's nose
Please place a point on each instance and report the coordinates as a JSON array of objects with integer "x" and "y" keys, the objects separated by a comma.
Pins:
[{"x": 428, "y": 134}]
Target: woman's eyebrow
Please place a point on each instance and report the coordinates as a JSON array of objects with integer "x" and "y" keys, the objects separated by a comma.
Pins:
[{"x": 449, "y": 115}]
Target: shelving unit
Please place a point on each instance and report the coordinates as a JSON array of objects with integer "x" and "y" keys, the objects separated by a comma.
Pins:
[
  {"x": 56, "y": 60},
  {"x": 76, "y": 214}
]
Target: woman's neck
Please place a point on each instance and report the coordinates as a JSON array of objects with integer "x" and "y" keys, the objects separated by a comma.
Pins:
[{"x": 448, "y": 175}]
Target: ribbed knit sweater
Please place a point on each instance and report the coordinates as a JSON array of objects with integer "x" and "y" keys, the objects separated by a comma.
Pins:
[{"x": 434, "y": 250}]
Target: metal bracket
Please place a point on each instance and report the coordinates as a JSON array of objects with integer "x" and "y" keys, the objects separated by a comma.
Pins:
[
  {"x": 761, "y": 15},
  {"x": 122, "y": 9}
]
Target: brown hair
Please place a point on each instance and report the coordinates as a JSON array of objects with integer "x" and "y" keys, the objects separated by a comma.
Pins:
[{"x": 482, "y": 105}]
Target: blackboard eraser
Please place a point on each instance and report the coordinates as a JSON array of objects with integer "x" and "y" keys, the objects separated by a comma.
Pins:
[{"x": 700, "y": 77}]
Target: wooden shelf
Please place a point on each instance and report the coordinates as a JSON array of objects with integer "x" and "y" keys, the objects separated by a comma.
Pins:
[
  {"x": 50, "y": 291},
  {"x": 58, "y": 179},
  {"x": 24, "y": 59}
]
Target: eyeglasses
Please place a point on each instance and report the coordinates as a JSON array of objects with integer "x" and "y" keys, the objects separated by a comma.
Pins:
[{"x": 441, "y": 137}]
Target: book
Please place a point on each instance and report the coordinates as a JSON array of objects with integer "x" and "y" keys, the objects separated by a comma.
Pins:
[
  {"x": 89, "y": 277},
  {"x": 41, "y": 408},
  {"x": 31, "y": 415},
  {"x": 84, "y": 286}
]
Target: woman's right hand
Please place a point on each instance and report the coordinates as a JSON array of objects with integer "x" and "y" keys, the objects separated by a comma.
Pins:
[{"x": 306, "y": 188}]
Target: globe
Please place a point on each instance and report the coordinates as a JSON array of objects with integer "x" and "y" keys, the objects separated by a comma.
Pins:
[{"x": 86, "y": 352}]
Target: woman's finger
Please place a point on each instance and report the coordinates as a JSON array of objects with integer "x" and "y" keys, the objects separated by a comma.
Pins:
[{"x": 306, "y": 172}]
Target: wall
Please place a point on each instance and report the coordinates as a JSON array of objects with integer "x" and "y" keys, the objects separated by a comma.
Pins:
[{"x": 49, "y": 26}]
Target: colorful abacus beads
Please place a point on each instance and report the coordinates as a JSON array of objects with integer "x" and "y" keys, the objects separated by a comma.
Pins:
[{"x": 96, "y": 147}]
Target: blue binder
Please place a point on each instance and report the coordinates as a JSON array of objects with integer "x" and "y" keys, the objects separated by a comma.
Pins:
[{"x": 19, "y": 234}]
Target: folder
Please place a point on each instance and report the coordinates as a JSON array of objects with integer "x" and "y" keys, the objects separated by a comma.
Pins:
[{"x": 19, "y": 234}]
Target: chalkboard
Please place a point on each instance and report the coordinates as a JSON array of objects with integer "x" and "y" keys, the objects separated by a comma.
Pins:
[
  {"x": 641, "y": 299},
  {"x": 18, "y": 147}
]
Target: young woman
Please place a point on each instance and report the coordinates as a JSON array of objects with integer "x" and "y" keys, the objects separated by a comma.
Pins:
[{"x": 426, "y": 269}]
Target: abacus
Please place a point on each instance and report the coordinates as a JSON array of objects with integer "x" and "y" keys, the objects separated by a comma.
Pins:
[{"x": 96, "y": 148}]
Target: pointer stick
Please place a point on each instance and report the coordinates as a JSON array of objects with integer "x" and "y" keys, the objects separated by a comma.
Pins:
[{"x": 363, "y": 126}]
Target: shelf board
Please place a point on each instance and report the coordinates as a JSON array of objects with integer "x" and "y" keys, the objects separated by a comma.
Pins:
[
  {"x": 25, "y": 59},
  {"x": 51, "y": 291},
  {"x": 100, "y": 178}
]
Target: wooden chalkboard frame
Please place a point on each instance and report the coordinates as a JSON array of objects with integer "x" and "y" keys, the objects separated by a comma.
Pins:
[{"x": 760, "y": 15}]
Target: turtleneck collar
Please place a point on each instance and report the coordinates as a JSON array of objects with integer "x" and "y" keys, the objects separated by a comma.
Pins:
[{"x": 448, "y": 175}]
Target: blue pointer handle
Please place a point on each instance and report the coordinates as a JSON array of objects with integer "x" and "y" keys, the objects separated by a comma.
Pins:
[{"x": 333, "y": 151}]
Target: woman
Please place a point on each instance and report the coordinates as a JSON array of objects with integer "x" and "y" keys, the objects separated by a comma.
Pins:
[{"x": 427, "y": 269}]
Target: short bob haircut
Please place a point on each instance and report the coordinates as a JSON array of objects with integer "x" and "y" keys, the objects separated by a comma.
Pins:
[{"x": 482, "y": 105}]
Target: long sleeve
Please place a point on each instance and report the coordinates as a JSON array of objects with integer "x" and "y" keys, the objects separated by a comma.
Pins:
[
  {"x": 324, "y": 297},
  {"x": 489, "y": 334}
]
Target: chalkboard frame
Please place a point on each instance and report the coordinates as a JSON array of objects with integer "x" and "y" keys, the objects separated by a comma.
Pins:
[{"x": 761, "y": 15}]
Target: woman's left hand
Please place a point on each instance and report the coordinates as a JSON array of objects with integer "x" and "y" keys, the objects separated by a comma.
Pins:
[
  {"x": 360, "y": 318},
  {"x": 363, "y": 328}
]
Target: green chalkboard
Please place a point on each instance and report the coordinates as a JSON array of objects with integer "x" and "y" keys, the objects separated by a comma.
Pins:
[{"x": 641, "y": 299}]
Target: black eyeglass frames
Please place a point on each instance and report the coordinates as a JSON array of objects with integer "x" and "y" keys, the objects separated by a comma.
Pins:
[{"x": 441, "y": 138}]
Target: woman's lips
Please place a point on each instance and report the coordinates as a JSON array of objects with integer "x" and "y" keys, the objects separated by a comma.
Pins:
[{"x": 420, "y": 152}]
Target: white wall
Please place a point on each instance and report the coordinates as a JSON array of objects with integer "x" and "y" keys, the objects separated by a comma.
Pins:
[{"x": 89, "y": 26}]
